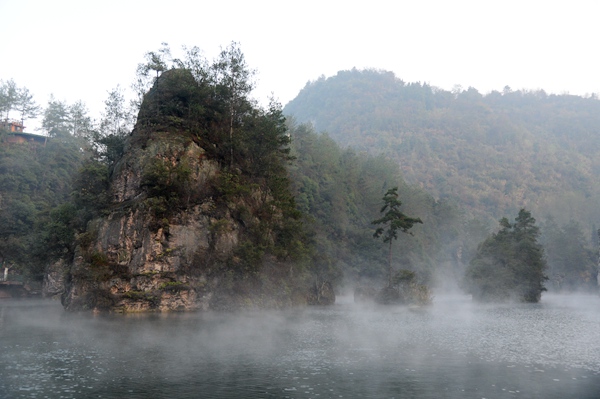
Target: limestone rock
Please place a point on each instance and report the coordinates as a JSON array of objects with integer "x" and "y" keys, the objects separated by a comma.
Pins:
[
  {"x": 166, "y": 242},
  {"x": 54, "y": 282},
  {"x": 321, "y": 294}
]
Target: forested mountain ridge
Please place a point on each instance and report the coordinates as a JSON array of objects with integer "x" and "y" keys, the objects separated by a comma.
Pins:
[{"x": 494, "y": 153}]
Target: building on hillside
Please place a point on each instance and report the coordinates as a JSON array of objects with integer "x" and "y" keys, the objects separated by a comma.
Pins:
[
  {"x": 12, "y": 126},
  {"x": 15, "y": 133},
  {"x": 21, "y": 138}
]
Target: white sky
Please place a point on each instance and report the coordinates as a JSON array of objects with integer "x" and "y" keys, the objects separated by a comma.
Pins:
[{"x": 80, "y": 49}]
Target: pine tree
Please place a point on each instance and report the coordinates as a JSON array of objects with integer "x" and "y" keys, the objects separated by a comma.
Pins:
[
  {"x": 393, "y": 220},
  {"x": 509, "y": 264}
]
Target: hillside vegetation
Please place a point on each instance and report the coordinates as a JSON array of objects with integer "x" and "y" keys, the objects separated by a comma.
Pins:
[
  {"x": 493, "y": 153},
  {"x": 469, "y": 160},
  {"x": 291, "y": 203},
  {"x": 340, "y": 191},
  {"x": 35, "y": 184}
]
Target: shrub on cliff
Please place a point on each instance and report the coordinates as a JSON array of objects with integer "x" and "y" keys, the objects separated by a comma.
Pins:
[{"x": 210, "y": 104}]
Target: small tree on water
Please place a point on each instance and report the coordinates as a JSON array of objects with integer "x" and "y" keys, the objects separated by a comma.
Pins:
[
  {"x": 509, "y": 264},
  {"x": 392, "y": 221}
]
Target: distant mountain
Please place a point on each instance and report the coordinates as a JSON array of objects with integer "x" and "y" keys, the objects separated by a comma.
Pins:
[{"x": 494, "y": 153}]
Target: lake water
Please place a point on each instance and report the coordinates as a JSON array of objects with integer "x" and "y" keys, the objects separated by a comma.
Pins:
[{"x": 453, "y": 349}]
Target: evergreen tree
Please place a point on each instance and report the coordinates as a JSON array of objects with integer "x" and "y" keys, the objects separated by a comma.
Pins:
[
  {"x": 81, "y": 123},
  {"x": 56, "y": 121},
  {"x": 234, "y": 83},
  {"x": 116, "y": 118},
  {"x": 571, "y": 261},
  {"x": 25, "y": 105},
  {"x": 35, "y": 218},
  {"x": 392, "y": 221},
  {"x": 509, "y": 264},
  {"x": 486, "y": 151},
  {"x": 157, "y": 62},
  {"x": 9, "y": 93}
]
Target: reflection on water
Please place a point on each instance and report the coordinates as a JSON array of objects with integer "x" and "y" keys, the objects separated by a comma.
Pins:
[{"x": 454, "y": 349}]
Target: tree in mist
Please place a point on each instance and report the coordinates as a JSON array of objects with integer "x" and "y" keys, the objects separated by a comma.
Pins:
[
  {"x": 482, "y": 150},
  {"x": 25, "y": 105},
  {"x": 509, "y": 264},
  {"x": 196, "y": 63},
  {"x": 56, "y": 118},
  {"x": 108, "y": 141},
  {"x": 35, "y": 184},
  {"x": 571, "y": 260},
  {"x": 8, "y": 97},
  {"x": 340, "y": 190},
  {"x": 209, "y": 102},
  {"x": 82, "y": 124},
  {"x": 393, "y": 221},
  {"x": 148, "y": 72},
  {"x": 116, "y": 118},
  {"x": 19, "y": 99},
  {"x": 234, "y": 82}
]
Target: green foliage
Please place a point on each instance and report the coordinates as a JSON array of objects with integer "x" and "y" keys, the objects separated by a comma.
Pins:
[
  {"x": 116, "y": 118},
  {"x": 167, "y": 184},
  {"x": 57, "y": 232},
  {"x": 56, "y": 118},
  {"x": 90, "y": 192},
  {"x": 404, "y": 277},
  {"x": 231, "y": 186},
  {"x": 81, "y": 123},
  {"x": 19, "y": 99},
  {"x": 491, "y": 153},
  {"x": 340, "y": 191},
  {"x": 193, "y": 100},
  {"x": 8, "y": 98},
  {"x": 99, "y": 267},
  {"x": 571, "y": 260},
  {"x": 163, "y": 178},
  {"x": 509, "y": 264},
  {"x": 248, "y": 257},
  {"x": 392, "y": 220},
  {"x": 36, "y": 221},
  {"x": 109, "y": 148}
]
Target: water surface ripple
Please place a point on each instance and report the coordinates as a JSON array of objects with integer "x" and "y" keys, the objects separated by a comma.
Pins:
[{"x": 453, "y": 349}]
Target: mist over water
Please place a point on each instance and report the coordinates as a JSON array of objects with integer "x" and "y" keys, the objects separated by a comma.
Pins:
[{"x": 453, "y": 349}]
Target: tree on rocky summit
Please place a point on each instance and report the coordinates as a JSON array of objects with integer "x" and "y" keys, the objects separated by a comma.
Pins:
[
  {"x": 393, "y": 221},
  {"x": 234, "y": 83},
  {"x": 147, "y": 73},
  {"x": 509, "y": 264}
]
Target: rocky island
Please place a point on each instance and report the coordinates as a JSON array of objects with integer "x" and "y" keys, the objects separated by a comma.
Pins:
[{"x": 197, "y": 212}]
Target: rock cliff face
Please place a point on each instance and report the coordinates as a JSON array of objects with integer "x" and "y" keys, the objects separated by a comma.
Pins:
[
  {"x": 134, "y": 262},
  {"x": 168, "y": 242},
  {"x": 53, "y": 285}
]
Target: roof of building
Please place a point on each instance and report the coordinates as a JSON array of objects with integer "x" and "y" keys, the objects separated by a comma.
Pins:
[{"x": 28, "y": 136}]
